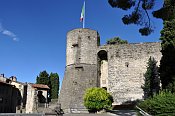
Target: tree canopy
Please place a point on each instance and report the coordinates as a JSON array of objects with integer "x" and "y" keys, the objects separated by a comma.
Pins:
[
  {"x": 116, "y": 40},
  {"x": 52, "y": 81},
  {"x": 43, "y": 78},
  {"x": 140, "y": 15}
]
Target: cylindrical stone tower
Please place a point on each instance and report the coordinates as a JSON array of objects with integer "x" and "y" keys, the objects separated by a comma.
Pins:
[{"x": 81, "y": 68}]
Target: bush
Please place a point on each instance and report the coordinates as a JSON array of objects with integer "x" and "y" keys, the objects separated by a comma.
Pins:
[
  {"x": 162, "y": 104},
  {"x": 96, "y": 99}
]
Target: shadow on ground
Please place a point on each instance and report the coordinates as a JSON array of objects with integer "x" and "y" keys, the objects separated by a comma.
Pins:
[{"x": 123, "y": 112}]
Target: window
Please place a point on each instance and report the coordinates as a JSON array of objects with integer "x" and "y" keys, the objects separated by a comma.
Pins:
[
  {"x": 75, "y": 45},
  {"x": 126, "y": 64}
]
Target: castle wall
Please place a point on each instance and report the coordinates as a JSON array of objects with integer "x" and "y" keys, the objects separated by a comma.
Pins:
[
  {"x": 127, "y": 64},
  {"x": 119, "y": 68}
]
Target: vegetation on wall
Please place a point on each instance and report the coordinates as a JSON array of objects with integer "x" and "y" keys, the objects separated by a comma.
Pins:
[
  {"x": 152, "y": 81},
  {"x": 52, "y": 81},
  {"x": 116, "y": 40},
  {"x": 96, "y": 99}
]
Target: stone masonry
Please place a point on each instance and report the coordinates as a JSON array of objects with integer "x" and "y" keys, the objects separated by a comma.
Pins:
[
  {"x": 127, "y": 64},
  {"x": 117, "y": 68}
]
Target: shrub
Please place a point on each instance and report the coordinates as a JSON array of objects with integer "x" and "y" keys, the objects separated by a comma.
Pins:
[
  {"x": 96, "y": 99},
  {"x": 162, "y": 104}
]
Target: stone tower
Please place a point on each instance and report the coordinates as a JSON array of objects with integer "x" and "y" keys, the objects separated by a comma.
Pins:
[{"x": 81, "y": 68}]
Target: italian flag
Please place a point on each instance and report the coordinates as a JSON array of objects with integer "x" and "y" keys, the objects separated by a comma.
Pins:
[{"x": 82, "y": 13}]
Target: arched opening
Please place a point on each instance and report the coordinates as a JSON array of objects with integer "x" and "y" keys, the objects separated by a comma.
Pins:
[
  {"x": 102, "y": 55},
  {"x": 103, "y": 68}
]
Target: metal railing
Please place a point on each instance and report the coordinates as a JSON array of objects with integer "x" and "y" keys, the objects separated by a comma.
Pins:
[{"x": 142, "y": 112}]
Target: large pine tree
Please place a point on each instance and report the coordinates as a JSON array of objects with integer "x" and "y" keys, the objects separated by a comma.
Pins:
[
  {"x": 152, "y": 81},
  {"x": 167, "y": 63},
  {"x": 54, "y": 80},
  {"x": 43, "y": 78}
]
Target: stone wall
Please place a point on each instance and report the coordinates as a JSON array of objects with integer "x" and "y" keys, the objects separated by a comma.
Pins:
[
  {"x": 127, "y": 64},
  {"x": 31, "y": 103}
]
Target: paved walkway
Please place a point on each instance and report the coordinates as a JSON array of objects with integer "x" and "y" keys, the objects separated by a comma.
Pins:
[{"x": 114, "y": 113}]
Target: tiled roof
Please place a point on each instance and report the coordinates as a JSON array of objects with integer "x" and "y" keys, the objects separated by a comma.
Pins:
[{"x": 42, "y": 86}]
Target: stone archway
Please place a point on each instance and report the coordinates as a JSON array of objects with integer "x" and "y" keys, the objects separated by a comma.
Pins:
[{"x": 103, "y": 68}]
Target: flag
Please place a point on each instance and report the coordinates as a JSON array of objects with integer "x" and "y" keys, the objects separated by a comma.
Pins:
[{"x": 82, "y": 13}]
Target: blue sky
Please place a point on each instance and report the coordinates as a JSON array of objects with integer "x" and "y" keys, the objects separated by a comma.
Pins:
[{"x": 33, "y": 33}]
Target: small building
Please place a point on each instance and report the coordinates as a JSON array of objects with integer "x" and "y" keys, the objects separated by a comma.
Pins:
[
  {"x": 18, "y": 97},
  {"x": 37, "y": 97},
  {"x": 8, "y": 98},
  {"x": 20, "y": 91}
]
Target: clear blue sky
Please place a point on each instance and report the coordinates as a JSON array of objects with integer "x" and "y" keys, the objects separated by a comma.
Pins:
[{"x": 33, "y": 32}]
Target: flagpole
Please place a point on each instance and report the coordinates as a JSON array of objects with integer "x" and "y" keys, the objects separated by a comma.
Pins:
[{"x": 84, "y": 14}]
